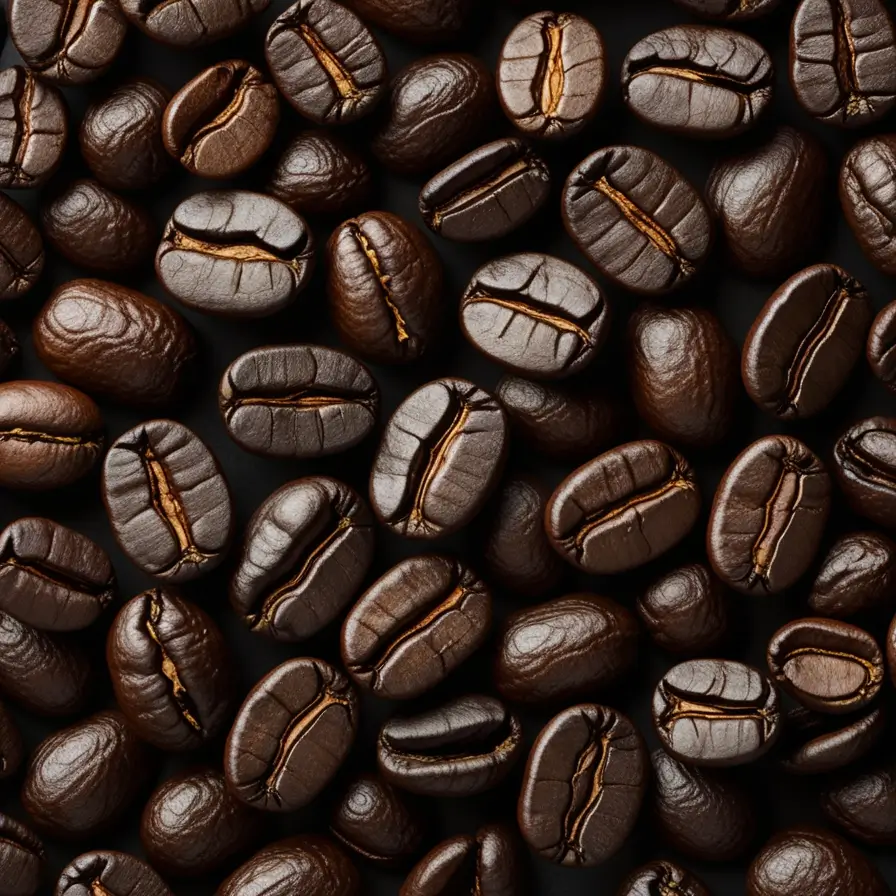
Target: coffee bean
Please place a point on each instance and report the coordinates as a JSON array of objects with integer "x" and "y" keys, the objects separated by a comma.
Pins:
[
  {"x": 441, "y": 455},
  {"x": 235, "y": 253},
  {"x": 865, "y": 466},
  {"x": 415, "y": 625},
  {"x": 422, "y": 21},
  {"x": 384, "y": 283},
  {"x": 121, "y": 136},
  {"x": 662, "y": 877},
  {"x": 12, "y": 748},
  {"x": 464, "y": 747},
  {"x": 716, "y": 712},
  {"x": 328, "y": 66},
  {"x": 191, "y": 23},
  {"x": 683, "y": 373},
  {"x": 698, "y": 81},
  {"x": 535, "y": 314},
  {"x": 806, "y": 341},
  {"x": 891, "y": 650},
  {"x": 222, "y": 122},
  {"x": 684, "y": 611},
  {"x": 192, "y": 825},
  {"x": 82, "y": 778},
  {"x": 21, "y": 858},
  {"x": 171, "y": 671},
  {"x": 438, "y": 106},
  {"x": 168, "y": 501},
  {"x": 306, "y": 552},
  {"x": 298, "y": 401},
  {"x": 881, "y": 341},
  {"x": 551, "y": 74},
  {"x": 487, "y": 194},
  {"x": 565, "y": 649},
  {"x": 731, "y": 10},
  {"x": 290, "y": 736},
  {"x": 768, "y": 516},
  {"x": 769, "y": 203},
  {"x": 583, "y": 786},
  {"x": 33, "y": 129},
  {"x": 112, "y": 873},
  {"x": 865, "y": 806},
  {"x": 68, "y": 43},
  {"x": 9, "y": 348},
  {"x": 50, "y": 435},
  {"x": 639, "y": 222},
  {"x": 858, "y": 573},
  {"x": 114, "y": 342},
  {"x": 94, "y": 228},
  {"x": 51, "y": 577},
  {"x": 843, "y": 60},
  {"x": 643, "y": 486},
  {"x": 21, "y": 250}
]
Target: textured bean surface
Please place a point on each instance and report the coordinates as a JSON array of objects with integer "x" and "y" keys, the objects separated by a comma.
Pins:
[
  {"x": 21, "y": 250},
  {"x": 110, "y": 872},
  {"x": 190, "y": 23}
]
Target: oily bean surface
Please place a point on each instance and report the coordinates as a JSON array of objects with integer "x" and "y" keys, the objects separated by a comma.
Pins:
[
  {"x": 422, "y": 21},
  {"x": 110, "y": 872},
  {"x": 864, "y": 806},
  {"x": 865, "y": 467},
  {"x": 21, "y": 858},
  {"x": 881, "y": 342},
  {"x": 190, "y": 23},
  {"x": 662, "y": 877},
  {"x": 21, "y": 250}
]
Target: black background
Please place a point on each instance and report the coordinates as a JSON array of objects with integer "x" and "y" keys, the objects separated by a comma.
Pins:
[{"x": 780, "y": 800}]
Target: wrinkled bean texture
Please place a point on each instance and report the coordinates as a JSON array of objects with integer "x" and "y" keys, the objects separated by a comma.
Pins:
[{"x": 190, "y": 23}]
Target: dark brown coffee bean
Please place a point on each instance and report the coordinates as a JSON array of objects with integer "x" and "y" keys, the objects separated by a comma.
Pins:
[
  {"x": 114, "y": 342},
  {"x": 191, "y": 23},
  {"x": 858, "y": 573},
  {"x": 768, "y": 516},
  {"x": 535, "y": 314},
  {"x": 462, "y": 748},
  {"x": 891, "y": 650},
  {"x": 683, "y": 373},
  {"x": 82, "y": 778},
  {"x": 415, "y": 625},
  {"x": 643, "y": 486},
  {"x": 12, "y": 748},
  {"x": 51, "y": 577},
  {"x": 384, "y": 283},
  {"x": 865, "y": 466},
  {"x": 306, "y": 552},
  {"x": 21, "y": 250},
  {"x": 171, "y": 671},
  {"x": 716, "y": 712},
  {"x": 327, "y": 64},
  {"x": 843, "y": 60},
  {"x": 9, "y": 348},
  {"x": 486, "y": 194},
  {"x": 662, "y": 877},
  {"x": 110, "y": 873},
  {"x": 423, "y": 21},
  {"x": 290, "y": 736},
  {"x": 865, "y": 806},
  {"x": 121, "y": 135},
  {"x": 881, "y": 341},
  {"x": 21, "y": 859},
  {"x": 806, "y": 341},
  {"x": 438, "y": 106},
  {"x": 442, "y": 454},
  {"x": 638, "y": 221},
  {"x": 730, "y": 10},
  {"x": 583, "y": 786},
  {"x": 168, "y": 501}
]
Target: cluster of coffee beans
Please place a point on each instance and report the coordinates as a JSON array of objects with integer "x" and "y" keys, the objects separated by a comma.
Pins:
[{"x": 441, "y": 624}]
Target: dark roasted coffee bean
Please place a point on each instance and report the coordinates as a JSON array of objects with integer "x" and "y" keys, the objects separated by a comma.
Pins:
[
  {"x": 415, "y": 625},
  {"x": 110, "y": 873},
  {"x": 235, "y": 253},
  {"x": 806, "y": 341},
  {"x": 768, "y": 516},
  {"x": 661, "y": 878},
  {"x": 803, "y": 860},
  {"x": 486, "y": 194},
  {"x": 168, "y": 501},
  {"x": 114, "y": 342},
  {"x": 441, "y": 455},
  {"x": 716, "y": 712},
  {"x": 881, "y": 342},
  {"x": 583, "y": 786},
  {"x": 306, "y": 552},
  {"x": 683, "y": 373},
  {"x": 535, "y": 314},
  {"x": 865, "y": 806},
  {"x": 643, "y": 486},
  {"x": 699, "y": 81},
  {"x": 192, "y": 824},
  {"x": 865, "y": 466},
  {"x": 438, "y": 106},
  {"x": 769, "y": 203},
  {"x": 12, "y": 748},
  {"x": 290, "y": 736},
  {"x": 191, "y": 23},
  {"x": 94, "y": 228},
  {"x": 565, "y": 649},
  {"x": 21, "y": 859},
  {"x": 21, "y": 250},
  {"x": 731, "y": 10},
  {"x": 374, "y": 820},
  {"x": 551, "y": 74},
  {"x": 384, "y": 283},
  {"x": 69, "y": 43},
  {"x": 51, "y": 577},
  {"x": 423, "y": 21},
  {"x": 891, "y": 650},
  {"x": 33, "y": 129},
  {"x": 462, "y": 748},
  {"x": 9, "y": 348},
  {"x": 858, "y": 573},
  {"x": 121, "y": 136},
  {"x": 684, "y": 611},
  {"x": 171, "y": 671},
  {"x": 328, "y": 66},
  {"x": 82, "y": 778},
  {"x": 638, "y": 221},
  {"x": 843, "y": 60},
  {"x": 50, "y": 435}
]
